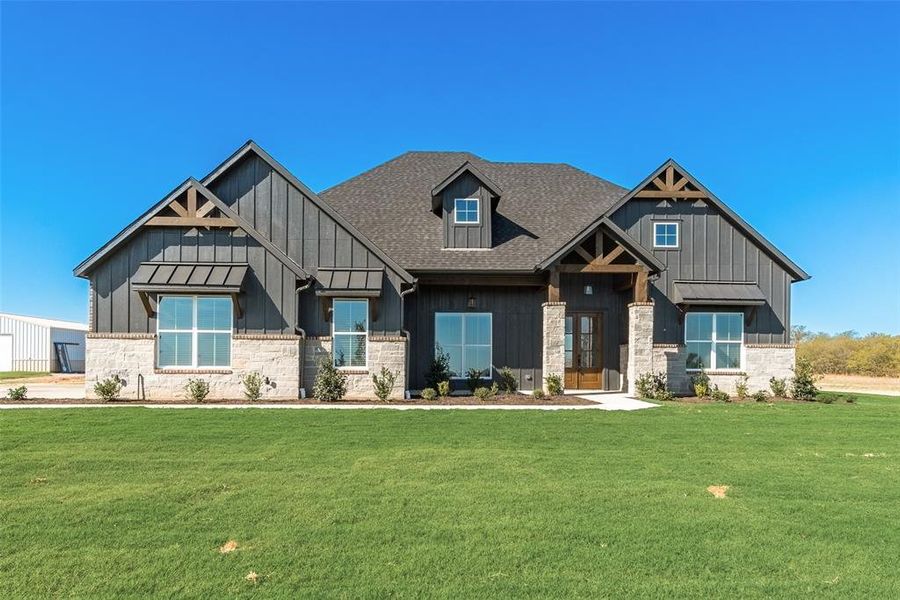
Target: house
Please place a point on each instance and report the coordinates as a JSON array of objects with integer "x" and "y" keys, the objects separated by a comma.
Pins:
[
  {"x": 542, "y": 268},
  {"x": 41, "y": 345}
]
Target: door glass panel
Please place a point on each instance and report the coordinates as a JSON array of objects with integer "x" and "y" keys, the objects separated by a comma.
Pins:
[{"x": 568, "y": 343}]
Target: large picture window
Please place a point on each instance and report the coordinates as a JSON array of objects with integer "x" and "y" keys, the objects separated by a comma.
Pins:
[
  {"x": 713, "y": 340},
  {"x": 350, "y": 327},
  {"x": 194, "y": 331},
  {"x": 466, "y": 338}
]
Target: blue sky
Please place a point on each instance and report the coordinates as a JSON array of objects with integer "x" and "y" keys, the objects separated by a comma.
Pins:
[{"x": 790, "y": 113}]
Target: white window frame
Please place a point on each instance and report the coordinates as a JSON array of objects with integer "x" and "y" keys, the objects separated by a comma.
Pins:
[
  {"x": 462, "y": 337},
  {"x": 477, "y": 220},
  {"x": 714, "y": 341},
  {"x": 335, "y": 334},
  {"x": 677, "y": 235},
  {"x": 194, "y": 331}
]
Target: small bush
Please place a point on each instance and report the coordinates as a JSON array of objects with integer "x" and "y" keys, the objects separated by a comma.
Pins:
[
  {"x": 803, "y": 383},
  {"x": 17, "y": 393},
  {"x": 253, "y": 383},
  {"x": 109, "y": 388},
  {"x": 474, "y": 378},
  {"x": 778, "y": 387},
  {"x": 554, "y": 384},
  {"x": 719, "y": 395},
  {"x": 331, "y": 383},
  {"x": 197, "y": 389},
  {"x": 825, "y": 399},
  {"x": 760, "y": 396},
  {"x": 538, "y": 394},
  {"x": 651, "y": 385},
  {"x": 384, "y": 383},
  {"x": 443, "y": 388},
  {"x": 664, "y": 396},
  {"x": 742, "y": 387},
  {"x": 700, "y": 381},
  {"x": 850, "y": 399},
  {"x": 429, "y": 394},
  {"x": 508, "y": 382},
  {"x": 484, "y": 393},
  {"x": 438, "y": 368}
]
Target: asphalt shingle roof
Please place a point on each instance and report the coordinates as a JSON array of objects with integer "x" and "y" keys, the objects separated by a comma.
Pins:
[{"x": 543, "y": 206}]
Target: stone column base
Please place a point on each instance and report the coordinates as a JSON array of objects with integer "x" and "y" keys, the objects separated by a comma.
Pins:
[
  {"x": 640, "y": 342},
  {"x": 553, "y": 356}
]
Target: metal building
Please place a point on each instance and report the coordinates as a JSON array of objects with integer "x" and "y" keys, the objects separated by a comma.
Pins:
[{"x": 36, "y": 344}]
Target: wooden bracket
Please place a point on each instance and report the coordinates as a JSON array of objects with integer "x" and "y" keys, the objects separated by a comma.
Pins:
[
  {"x": 236, "y": 300},
  {"x": 148, "y": 304},
  {"x": 373, "y": 310},
  {"x": 326, "y": 308},
  {"x": 750, "y": 315}
]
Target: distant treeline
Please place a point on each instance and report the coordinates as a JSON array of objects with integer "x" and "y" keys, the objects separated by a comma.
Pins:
[{"x": 848, "y": 353}]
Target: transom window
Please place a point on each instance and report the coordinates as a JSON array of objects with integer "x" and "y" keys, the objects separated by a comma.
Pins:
[
  {"x": 350, "y": 328},
  {"x": 465, "y": 210},
  {"x": 194, "y": 331},
  {"x": 466, "y": 338},
  {"x": 713, "y": 340},
  {"x": 665, "y": 234}
]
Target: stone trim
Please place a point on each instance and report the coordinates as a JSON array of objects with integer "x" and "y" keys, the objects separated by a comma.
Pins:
[
  {"x": 668, "y": 345},
  {"x": 319, "y": 338},
  {"x": 553, "y": 304},
  {"x": 788, "y": 346},
  {"x": 265, "y": 336},
  {"x": 387, "y": 338},
  {"x": 121, "y": 336},
  {"x": 692, "y": 372},
  {"x": 354, "y": 371},
  {"x": 630, "y": 304},
  {"x": 192, "y": 371}
]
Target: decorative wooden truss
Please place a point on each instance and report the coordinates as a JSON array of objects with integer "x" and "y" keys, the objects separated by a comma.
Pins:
[
  {"x": 671, "y": 184},
  {"x": 185, "y": 212}
]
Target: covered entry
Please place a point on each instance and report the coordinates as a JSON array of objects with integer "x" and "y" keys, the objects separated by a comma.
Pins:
[{"x": 584, "y": 351}]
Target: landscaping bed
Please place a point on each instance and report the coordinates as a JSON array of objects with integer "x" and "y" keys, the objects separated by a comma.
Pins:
[{"x": 500, "y": 400}]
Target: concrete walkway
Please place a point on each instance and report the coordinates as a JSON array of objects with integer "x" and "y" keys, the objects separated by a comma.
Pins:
[{"x": 617, "y": 401}]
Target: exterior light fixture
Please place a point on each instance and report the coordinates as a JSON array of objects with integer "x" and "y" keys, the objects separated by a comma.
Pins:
[
  {"x": 588, "y": 290},
  {"x": 471, "y": 302}
]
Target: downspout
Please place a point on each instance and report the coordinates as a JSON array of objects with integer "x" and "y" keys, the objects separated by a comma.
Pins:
[
  {"x": 300, "y": 330},
  {"x": 406, "y": 333}
]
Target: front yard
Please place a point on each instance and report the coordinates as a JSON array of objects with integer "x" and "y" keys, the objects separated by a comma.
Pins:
[{"x": 112, "y": 503}]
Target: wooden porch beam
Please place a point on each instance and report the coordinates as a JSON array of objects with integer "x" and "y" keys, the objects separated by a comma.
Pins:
[
  {"x": 584, "y": 253},
  {"x": 641, "y": 291},
  {"x": 553, "y": 286},
  {"x": 178, "y": 208},
  {"x": 204, "y": 210},
  {"x": 670, "y": 177},
  {"x": 191, "y": 222},
  {"x": 192, "y": 202},
  {"x": 598, "y": 268},
  {"x": 671, "y": 194},
  {"x": 618, "y": 250}
]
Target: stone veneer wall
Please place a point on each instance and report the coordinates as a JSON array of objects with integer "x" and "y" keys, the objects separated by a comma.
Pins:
[
  {"x": 129, "y": 356},
  {"x": 384, "y": 351},
  {"x": 640, "y": 342},
  {"x": 553, "y": 355}
]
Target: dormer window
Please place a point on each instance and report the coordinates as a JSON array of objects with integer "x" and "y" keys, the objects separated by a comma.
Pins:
[{"x": 465, "y": 211}]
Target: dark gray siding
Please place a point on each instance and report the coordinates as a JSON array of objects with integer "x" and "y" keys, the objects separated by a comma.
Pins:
[
  {"x": 467, "y": 236},
  {"x": 516, "y": 326},
  {"x": 284, "y": 216},
  {"x": 712, "y": 249}
]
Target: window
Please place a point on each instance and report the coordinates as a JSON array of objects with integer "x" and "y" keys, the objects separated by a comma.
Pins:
[
  {"x": 466, "y": 337},
  {"x": 194, "y": 331},
  {"x": 350, "y": 326},
  {"x": 665, "y": 235},
  {"x": 465, "y": 210},
  {"x": 713, "y": 340}
]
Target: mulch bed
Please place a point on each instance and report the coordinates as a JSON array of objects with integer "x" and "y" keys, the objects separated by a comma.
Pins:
[{"x": 511, "y": 400}]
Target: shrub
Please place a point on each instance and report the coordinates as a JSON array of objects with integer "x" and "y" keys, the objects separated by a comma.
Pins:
[
  {"x": 850, "y": 399},
  {"x": 651, "y": 385},
  {"x": 719, "y": 395},
  {"x": 759, "y": 396},
  {"x": 443, "y": 388},
  {"x": 17, "y": 393},
  {"x": 742, "y": 387},
  {"x": 664, "y": 396},
  {"x": 803, "y": 383},
  {"x": 508, "y": 381},
  {"x": 778, "y": 387},
  {"x": 554, "y": 384},
  {"x": 109, "y": 388},
  {"x": 484, "y": 393},
  {"x": 384, "y": 383},
  {"x": 252, "y": 383},
  {"x": 700, "y": 381},
  {"x": 197, "y": 389},
  {"x": 429, "y": 394},
  {"x": 538, "y": 394},
  {"x": 331, "y": 383},
  {"x": 474, "y": 378},
  {"x": 438, "y": 368}
]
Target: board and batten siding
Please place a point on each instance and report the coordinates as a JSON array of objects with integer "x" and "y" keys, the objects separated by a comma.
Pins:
[
  {"x": 285, "y": 217},
  {"x": 711, "y": 249},
  {"x": 460, "y": 235}
]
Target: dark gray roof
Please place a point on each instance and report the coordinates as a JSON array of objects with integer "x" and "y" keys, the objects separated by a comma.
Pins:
[
  {"x": 542, "y": 207},
  {"x": 349, "y": 282},
  {"x": 736, "y": 293},
  {"x": 189, "y": 277}
]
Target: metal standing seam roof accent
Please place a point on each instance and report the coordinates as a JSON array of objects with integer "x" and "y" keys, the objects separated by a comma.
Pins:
[
  {"x": 195, "y": 277},
  {"x": 352, "y": 282},
  {"x": 736, "y": 293}
]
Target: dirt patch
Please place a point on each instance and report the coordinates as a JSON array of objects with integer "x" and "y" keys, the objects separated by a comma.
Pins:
[
  {"x": 718, "y": 491},
  {"x": 252, "y": 577},
  {"x": 511, "y": 400},
  {"x": 860, "y": 384},
  {"x": 64, "y": 378},
  {"x": 228, "y": 547}
]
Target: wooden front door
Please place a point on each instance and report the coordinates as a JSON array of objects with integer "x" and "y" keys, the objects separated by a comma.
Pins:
[{"x": 584, "y": 359}]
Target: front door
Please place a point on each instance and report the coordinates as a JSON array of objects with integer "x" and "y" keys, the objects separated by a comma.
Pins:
[{"x": 583, "y": 352}]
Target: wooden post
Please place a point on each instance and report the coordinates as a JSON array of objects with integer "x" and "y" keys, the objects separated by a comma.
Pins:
[
  {"x": 641, "y": 293},
  {"x": 553, "y": 286}
]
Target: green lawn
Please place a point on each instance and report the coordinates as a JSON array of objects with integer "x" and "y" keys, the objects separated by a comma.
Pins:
[
  {"x": 20, "y": 374},
  {"x": 116, "y": 503}
]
